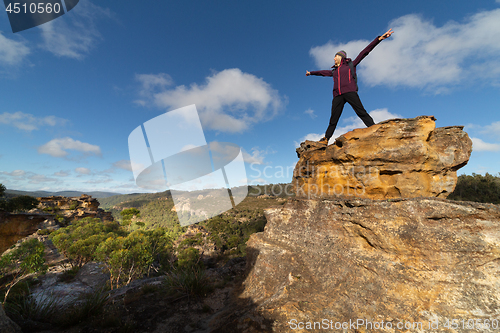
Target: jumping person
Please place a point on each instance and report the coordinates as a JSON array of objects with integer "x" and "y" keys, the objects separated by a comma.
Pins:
[{"x": 345, "y": 86}]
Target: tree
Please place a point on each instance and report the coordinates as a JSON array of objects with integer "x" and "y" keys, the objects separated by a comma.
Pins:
[
  {"x": 21, "y": 203},
  {"x": 23, "y": 261},
  {"x": 2, "y": 190}
]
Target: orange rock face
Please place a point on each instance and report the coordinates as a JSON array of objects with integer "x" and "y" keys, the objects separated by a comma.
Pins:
[{"x": 397, "y": 158}]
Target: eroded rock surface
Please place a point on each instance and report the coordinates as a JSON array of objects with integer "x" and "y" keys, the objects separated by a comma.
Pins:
[
  {"x": 74, "y": 208},
  {"x": 14, "y": 227},
  {"x": 407, "y": 260},
  {"x": 397, "y": 158}
]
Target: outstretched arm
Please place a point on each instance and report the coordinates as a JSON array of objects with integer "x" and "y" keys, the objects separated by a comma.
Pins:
[
  {"x": 371, "y": 46},
  {"x": 319, "y": 73},
  {"x": 386, "y": 35}
]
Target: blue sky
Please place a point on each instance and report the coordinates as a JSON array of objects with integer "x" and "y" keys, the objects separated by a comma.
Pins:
[{"x": 73, "y": 89}]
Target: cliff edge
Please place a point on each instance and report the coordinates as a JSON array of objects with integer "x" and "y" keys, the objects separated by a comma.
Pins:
[{"x": 417, "y": 262}]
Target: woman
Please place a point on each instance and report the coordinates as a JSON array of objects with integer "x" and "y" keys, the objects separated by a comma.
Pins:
[{"x": 345, "y": 87}]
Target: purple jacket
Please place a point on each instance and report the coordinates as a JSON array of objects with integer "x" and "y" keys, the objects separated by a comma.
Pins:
[{"x": 343, "y": 80}]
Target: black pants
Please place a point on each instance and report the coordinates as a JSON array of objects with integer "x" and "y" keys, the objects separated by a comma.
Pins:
[{"x": 338, "y": 105}]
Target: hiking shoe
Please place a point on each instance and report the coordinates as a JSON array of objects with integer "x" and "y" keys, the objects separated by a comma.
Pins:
[{"x": 323, "y": 141}]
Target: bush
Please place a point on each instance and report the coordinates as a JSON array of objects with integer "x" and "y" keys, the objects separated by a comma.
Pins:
[
  {"x": 20, "y": 203},
  {"x": 132, "y": 257},
  {"x": 189, "y": 258},
  {"x": 21, "y": 262},
  {"x": 87, "y": 306},
  {"x": 190, "y": 281},
  {"x": 36, "y": 307},
  {"x": 79, "y": 241}
]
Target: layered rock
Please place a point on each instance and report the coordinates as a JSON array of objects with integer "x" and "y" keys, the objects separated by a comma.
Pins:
[
  {"x": 75, "y": 208},
  {"x": 420, "y": 260},
  {"x": 14, "y": 227},
  {"x": 397, "y": 158}
]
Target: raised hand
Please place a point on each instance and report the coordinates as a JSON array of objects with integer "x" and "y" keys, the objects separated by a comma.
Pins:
[{"x": 386, "y": 35}]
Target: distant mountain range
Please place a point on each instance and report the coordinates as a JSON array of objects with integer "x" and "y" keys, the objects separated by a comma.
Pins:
[{"x": 96, "y": 194}]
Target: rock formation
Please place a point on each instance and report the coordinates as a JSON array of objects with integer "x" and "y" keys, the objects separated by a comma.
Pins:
[
  {"x": 75, "y": 208},
  {"x": 405, "y": 262},
  {"x": 398, "y": 158},
  {"x": 14, "y": 227}
]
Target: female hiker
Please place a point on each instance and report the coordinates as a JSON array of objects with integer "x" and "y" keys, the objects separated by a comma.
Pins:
[{"x": 345, "y": 86}]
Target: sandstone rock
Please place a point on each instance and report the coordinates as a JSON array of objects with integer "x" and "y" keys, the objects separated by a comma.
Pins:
[
  {"x": 91, "y": 277},
  {"x": 14, "y": 227},
  {"x": 397, "y": 158},
  {"x": 75, "y": 208},
  {"x": 405, "y": 260}
]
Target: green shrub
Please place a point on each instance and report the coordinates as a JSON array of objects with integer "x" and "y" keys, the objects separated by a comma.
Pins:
[
  {"x": 79, "y": 241},
  {"x": 196, "y": 240},
  {"x": 20, "y": 203},
  {"x": 88, "y": 305},
  {"x": 188, "y": 258},
  {"x": 21, "y": 262},
  {"x": 40, "y": 306},
  {"x": 190, "y": 281},
  {"x": 131, "y": 257}
]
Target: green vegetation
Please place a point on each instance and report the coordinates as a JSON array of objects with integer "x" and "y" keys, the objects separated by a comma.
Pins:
[
  {"x": 73, "y": 205},
  {"x": 79, "y": 241},
  {"x": 126, "y": 255},
  {"x": 22, "y": 262},
  {"x": 477, "y": 188},
  {"x": 128, "y": 214},
  {"x": 230, "y": 235},
  {"x": 19, "y": 204},
  {"x": 131, "y": 257}
]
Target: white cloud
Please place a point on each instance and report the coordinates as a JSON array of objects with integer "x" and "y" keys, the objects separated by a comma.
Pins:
[
  {"x": 310, "y": 112},
  {"x": 12, "y": 52},
  {"x": 422, "y": 55},
  {"x": 15, "y": 173},
  {"x": 58, "y": 147},
  {"x": 258, "y": 181},
  {"x": 229, "y": 101},
  {"x": 28, "y": 122},
  {"x": 493, "y": 129},
  {"x": 257, "y": 156},
  {"x": 61, "y": 174},
  {"x": 75, "y": 37},
  {"x": 83, "y": 171},
  {"x": 151, "y": 81},
  {"x": 40, "y": 179},
  {"x": 123, "y": 164},
  {"x": 480, "y": 145}
]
